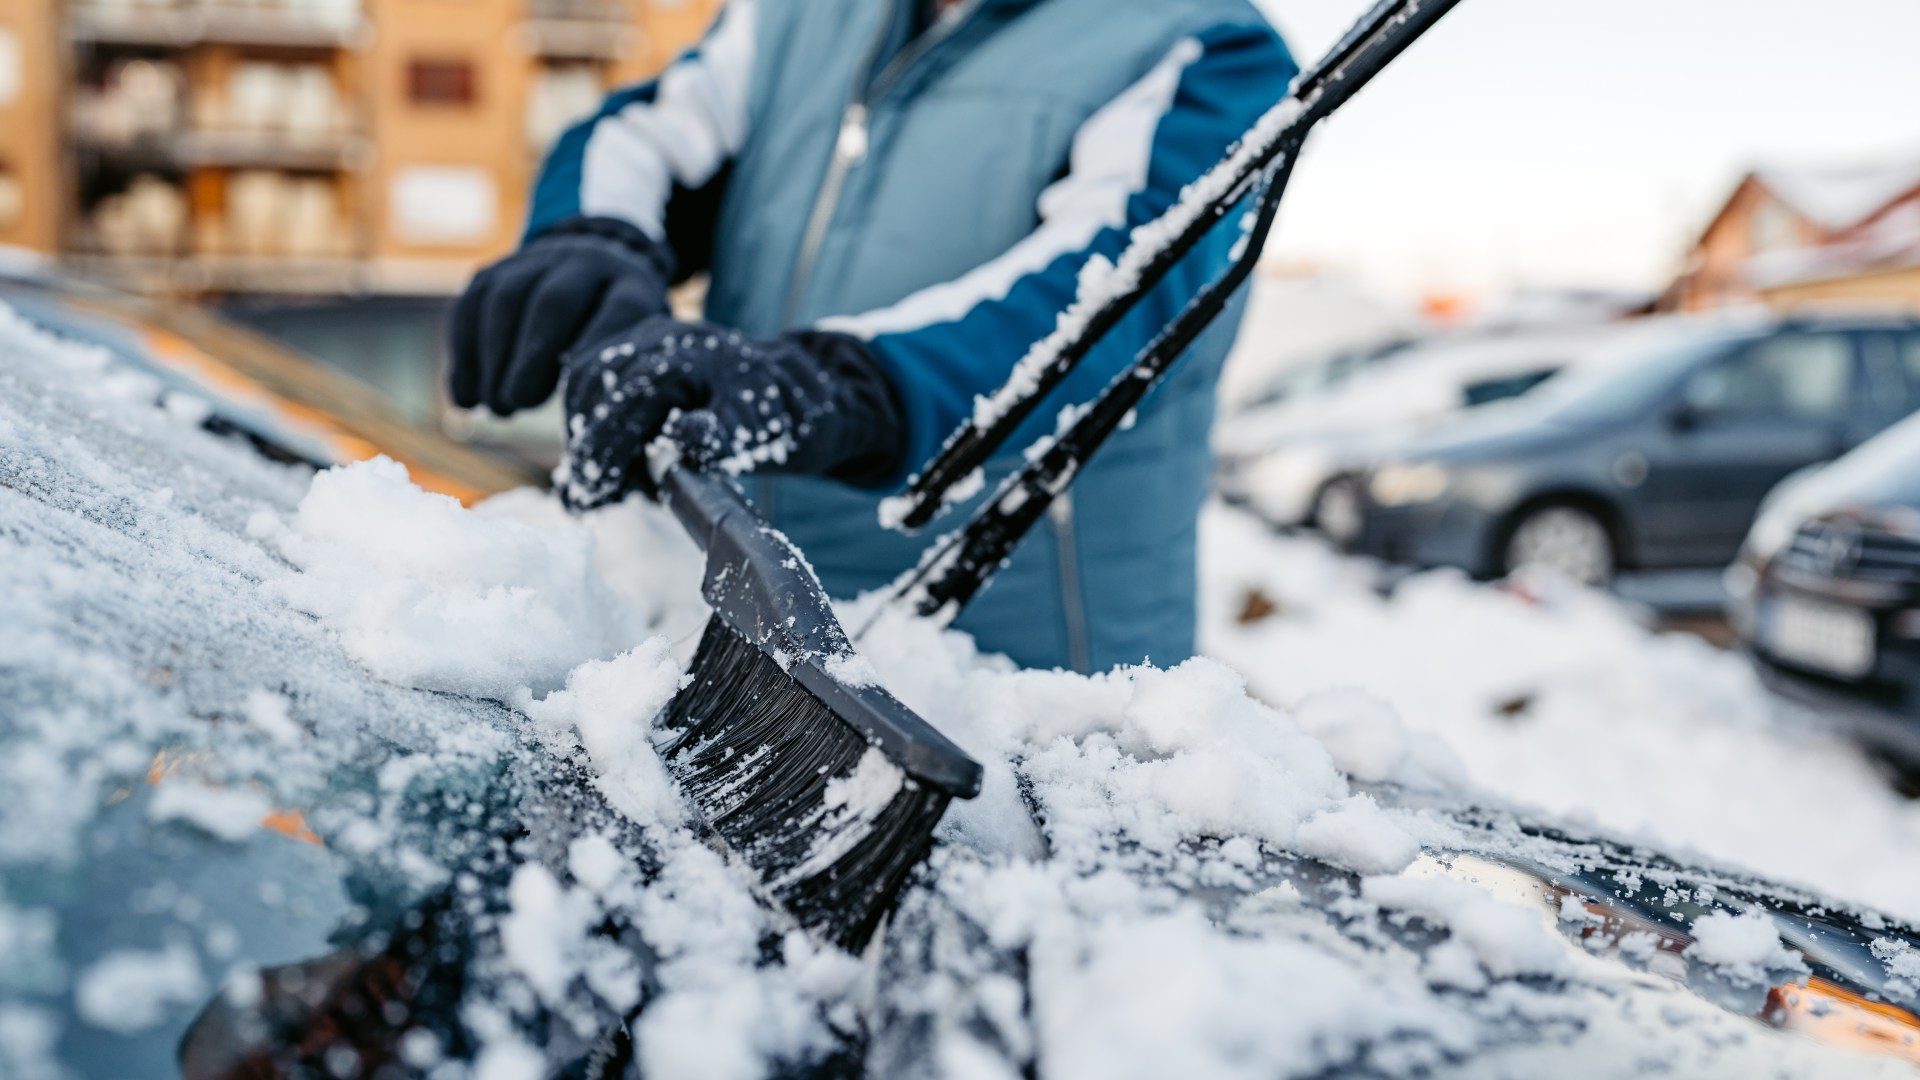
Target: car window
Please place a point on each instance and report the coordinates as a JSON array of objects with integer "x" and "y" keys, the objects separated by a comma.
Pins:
[
  {"x": 1631, "y": 376},
  {"x": 1487, "y": 391},
  {"x": 1793, "y": 376}
]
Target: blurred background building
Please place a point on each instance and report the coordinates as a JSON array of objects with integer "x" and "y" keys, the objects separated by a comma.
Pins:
[
  {"x": 1800, "y": 236},
  {"x": 286, "y": 158},
  {"x": 332, "y": 171}
]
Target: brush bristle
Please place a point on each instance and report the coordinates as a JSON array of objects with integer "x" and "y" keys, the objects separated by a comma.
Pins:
[{"x": 756, "y": 752}]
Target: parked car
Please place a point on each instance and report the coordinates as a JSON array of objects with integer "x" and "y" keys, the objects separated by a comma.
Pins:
[
  {"x": 1300, "y": 321},
  {"x": 1826, "y": 591},
  {"x": 1658, "y": 458},
  {"x": 1325, "y": 374},
  {"x": 1297, "y": 458},
  {"x": 229, "y": 850}
]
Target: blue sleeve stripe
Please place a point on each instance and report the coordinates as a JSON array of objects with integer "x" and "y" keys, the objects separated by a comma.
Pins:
[
  {"x": 556, "y": 195},
  {"x": 944, "y": 347},
  {"x": 679, "y": 130}
]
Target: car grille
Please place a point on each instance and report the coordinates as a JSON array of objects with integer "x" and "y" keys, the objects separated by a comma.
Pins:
[{"x": 1846, "y": 549}]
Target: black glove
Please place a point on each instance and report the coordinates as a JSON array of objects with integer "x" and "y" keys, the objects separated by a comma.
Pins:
[
  {"x": 576, "y": 282},
  {"x": 804, "y": 402}
]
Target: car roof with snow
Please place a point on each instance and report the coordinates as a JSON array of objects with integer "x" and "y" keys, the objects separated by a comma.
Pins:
[
  {"x": 327, "y": 771},
  {"x": 1421, "y": 382}
]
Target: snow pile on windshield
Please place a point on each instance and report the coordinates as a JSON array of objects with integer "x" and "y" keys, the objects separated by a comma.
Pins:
[
  {"x": 426, "y": 594},
  {"x": 1147, "y": 760}
]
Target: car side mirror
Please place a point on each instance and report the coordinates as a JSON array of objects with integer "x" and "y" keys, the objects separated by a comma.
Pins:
[{"x": 1685, "y": 416}]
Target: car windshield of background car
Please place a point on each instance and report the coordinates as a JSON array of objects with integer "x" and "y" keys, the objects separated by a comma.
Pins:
[
  {"x": 1615, "y": 387},
  {"x": 1792, "y": 377}
]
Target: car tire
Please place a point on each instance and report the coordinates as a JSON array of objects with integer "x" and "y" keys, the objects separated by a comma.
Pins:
[
  {"x": 1337, "y": 511},
  {"x": 1568, "y": 540}
]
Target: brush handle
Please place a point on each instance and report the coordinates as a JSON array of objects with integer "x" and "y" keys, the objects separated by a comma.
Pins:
[
  {"x": 1382, "y": 34},
  {"x": 760, "y": 584},
  {"x": 965, "y": 560}
]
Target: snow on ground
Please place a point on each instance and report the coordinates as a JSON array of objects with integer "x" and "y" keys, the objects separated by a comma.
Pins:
[{"x": 1557, "y": 698}]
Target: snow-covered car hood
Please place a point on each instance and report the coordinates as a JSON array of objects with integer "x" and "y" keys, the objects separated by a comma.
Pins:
[{"x": 328, "y": 768}]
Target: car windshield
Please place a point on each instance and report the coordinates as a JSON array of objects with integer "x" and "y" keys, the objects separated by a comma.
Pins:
[{"x": 1625, "y": 379}]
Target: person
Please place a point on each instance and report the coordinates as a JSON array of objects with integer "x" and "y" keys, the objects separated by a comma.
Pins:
[{"x": 893, "y": 201}]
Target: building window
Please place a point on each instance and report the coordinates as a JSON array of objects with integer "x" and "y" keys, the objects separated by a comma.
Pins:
[
  {"x": 441, "y": 82},
  {"x": 11, "y": 67},
  {"x": 444, "y": 205},
  {"x": 13, "y": 199},
  {"x": 1772, "y": 228}
]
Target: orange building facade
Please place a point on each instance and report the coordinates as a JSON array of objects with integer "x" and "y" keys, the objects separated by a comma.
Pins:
[{"x": 330, "y": 147}]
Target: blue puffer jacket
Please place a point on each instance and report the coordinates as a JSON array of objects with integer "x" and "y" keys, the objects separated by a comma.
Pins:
[{"x": 937, "y": 191}]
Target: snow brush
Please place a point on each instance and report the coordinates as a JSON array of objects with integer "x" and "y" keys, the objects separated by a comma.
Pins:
[
  {"x": 798, "y": 761},
  {"x": 793, "y": 754},
  {"x": 961, "y": 563}
]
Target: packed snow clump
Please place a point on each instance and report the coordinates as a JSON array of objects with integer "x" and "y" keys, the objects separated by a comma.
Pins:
[
  {"x": 425, "y": 593},
  {"x": 1744, "y": 947}
]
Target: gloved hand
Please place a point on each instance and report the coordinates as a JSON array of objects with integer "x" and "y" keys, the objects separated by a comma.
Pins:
[
  {"x": 804, "y": 402},
  {"x": 577, "y": 282}
]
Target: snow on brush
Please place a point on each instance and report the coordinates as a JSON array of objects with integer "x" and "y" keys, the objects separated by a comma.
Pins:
[{"x": 1553, "y": 697}]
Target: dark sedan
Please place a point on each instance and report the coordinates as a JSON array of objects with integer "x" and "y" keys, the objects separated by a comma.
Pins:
[
  {"x": 1655, "y": 457},
  {"x": 1826, "y": 593}
]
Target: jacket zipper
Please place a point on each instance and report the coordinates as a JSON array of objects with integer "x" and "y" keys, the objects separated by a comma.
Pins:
[{"x": 850, "y": 147}]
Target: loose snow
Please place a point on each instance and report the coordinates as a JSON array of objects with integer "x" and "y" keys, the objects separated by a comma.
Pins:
[
  {"x": 270, "y": 713},
  {"x": 232, "y": 814},
  {"x": 1902, "y": 964},
  {"x": 1504, "y": 939},
  {"x": 132, "y": 989}
]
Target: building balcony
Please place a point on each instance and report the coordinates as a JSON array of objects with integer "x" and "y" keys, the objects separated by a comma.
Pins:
[{"x": 192, "y": 22}]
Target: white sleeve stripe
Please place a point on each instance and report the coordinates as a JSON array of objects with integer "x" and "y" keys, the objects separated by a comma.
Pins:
[
  {"x": 1112, "y": 153},
  {"x": 695, "y": 123}
]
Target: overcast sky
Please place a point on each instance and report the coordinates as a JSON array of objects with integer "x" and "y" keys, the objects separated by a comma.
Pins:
[{"x": 1563, "y": 142}]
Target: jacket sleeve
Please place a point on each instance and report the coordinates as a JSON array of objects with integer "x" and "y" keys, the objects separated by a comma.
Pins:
[
  {"x": 950, "y": 343},
  {"x": 654, "y": 153}
]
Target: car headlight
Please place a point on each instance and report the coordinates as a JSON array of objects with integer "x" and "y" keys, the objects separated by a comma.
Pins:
[{"x": 1408, "y": 485}]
